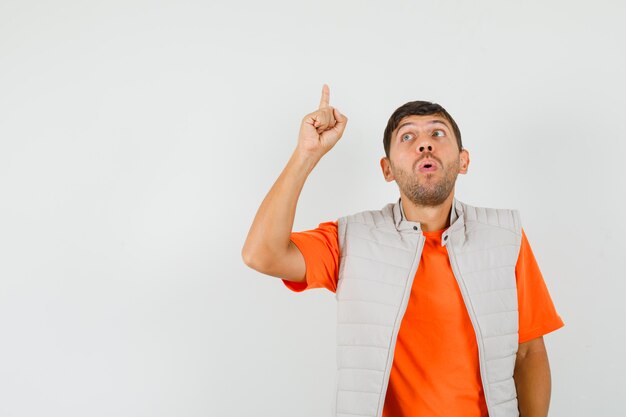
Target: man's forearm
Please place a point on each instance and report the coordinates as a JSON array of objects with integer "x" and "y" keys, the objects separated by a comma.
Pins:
[
  {"x": 533, "y": 383},
  {"x": 272, "y": 225}
]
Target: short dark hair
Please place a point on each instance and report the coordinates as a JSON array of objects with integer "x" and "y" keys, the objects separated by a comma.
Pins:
[{"x": 417, "y": 108}]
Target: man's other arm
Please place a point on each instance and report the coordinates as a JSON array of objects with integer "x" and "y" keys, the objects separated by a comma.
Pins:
[
  {"x": 268, "y": 248},
  {"x": 532, "y": 378}
]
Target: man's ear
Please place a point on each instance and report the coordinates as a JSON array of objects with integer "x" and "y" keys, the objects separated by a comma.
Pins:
[
  {"x": 465, "y": 161},
  {"x": 386, "y": 167}
]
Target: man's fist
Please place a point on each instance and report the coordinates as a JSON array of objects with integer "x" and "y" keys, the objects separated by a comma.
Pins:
[{"x": 321, "y": 130}]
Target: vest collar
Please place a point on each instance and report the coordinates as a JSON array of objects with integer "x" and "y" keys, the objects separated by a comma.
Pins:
[{"x": 456, "y": 220}]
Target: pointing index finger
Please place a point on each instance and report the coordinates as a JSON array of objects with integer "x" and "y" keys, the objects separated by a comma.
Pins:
[{"x": 325, "y": 96}]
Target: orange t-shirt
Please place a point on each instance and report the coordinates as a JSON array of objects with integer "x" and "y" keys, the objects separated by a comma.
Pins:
[{"x": 435, "y": 369}]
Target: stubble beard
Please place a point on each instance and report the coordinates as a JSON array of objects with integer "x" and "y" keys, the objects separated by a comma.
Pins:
[{"x": 423, "y": 189}]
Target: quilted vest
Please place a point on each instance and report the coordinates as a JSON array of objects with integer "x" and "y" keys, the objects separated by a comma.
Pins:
[{"x": 380, "y": 252}]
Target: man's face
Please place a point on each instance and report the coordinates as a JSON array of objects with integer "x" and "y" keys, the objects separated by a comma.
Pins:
[{"x": 424, "y": 159}]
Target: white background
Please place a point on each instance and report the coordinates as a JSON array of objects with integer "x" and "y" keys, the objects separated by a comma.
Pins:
[{"x": 137, "y": 139}]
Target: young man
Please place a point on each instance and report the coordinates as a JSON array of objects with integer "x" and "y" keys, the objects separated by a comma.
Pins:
[{"x": 441, "y": 305}]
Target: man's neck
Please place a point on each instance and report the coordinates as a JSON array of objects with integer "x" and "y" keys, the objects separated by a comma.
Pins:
[{"x": 431, "y": 218}]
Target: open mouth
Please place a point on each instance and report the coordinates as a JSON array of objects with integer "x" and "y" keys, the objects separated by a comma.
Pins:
[{"x": 427, "y": 166}]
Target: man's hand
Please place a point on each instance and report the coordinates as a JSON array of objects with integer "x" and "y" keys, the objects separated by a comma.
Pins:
[{"x": 321, "y": 130}]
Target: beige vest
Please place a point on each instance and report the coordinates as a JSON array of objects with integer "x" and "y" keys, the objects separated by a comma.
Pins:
[{"x": 380, "y": 252}]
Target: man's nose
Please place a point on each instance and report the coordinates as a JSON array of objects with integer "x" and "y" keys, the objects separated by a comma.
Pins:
[{"x": 424, "y": 143}]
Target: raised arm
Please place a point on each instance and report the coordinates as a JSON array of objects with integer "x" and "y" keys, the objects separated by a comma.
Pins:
[{"x": 267, "y": 248}]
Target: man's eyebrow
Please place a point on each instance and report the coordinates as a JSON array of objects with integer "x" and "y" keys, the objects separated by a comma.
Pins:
[{"x": 430, "y": 123}]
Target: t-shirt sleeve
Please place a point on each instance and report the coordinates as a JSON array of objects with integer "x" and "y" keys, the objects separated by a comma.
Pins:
[
  {"x": 320, "y": 248},
  {"x": 537, "y": 315}
]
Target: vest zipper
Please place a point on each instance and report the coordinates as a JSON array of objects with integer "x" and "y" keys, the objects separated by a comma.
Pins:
[
  {"x": 401, "y": 311},
  {"x": 471, "y": 313}
]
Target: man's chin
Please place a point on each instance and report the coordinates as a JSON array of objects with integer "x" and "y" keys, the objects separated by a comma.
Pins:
[{"x": 428, "y": 198}]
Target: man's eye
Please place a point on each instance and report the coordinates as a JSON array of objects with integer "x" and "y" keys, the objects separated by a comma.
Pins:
[
  {"x": 439, "y": 131},
  {"x": 406, "y": 136}
]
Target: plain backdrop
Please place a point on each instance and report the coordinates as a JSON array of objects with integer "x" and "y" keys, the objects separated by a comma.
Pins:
[{"x": 138, "y": 138}]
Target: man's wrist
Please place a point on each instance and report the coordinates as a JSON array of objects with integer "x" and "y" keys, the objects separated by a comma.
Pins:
[{"x": 304, "y": 161}]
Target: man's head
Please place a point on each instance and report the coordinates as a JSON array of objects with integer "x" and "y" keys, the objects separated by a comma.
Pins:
[{"x": 424, "y": 152}]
